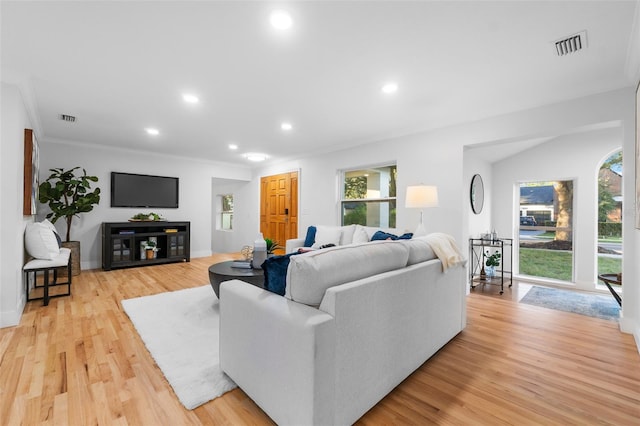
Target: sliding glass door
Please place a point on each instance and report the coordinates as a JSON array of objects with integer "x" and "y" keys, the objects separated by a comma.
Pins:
[{"x": 546, "y": 229}]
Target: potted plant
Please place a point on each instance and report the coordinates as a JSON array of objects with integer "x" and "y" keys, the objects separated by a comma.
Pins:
[
  {"x": 272, "y": 246},
  {"x": 151, "y": 249},
  {"x": 492, "y": 262},
  {"x": 69, "y": 195}
]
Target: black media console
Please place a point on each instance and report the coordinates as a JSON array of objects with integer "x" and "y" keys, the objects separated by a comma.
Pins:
[{"x": 123, "y": 243}]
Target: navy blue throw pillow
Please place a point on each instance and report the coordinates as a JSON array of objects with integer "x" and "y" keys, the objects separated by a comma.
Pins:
[
  {"x": 381, "y": 235},
  {"x": 311, "y": 236},
  {"x": 275, "y": 273}
]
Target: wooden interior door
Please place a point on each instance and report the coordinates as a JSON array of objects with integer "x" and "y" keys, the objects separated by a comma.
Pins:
[{"x": 279, "y": 207}]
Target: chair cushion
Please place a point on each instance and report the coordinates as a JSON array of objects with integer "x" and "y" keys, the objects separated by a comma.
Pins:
[
  {"x": 40, "y": 241},
  {"x": 62, "y": 259}
]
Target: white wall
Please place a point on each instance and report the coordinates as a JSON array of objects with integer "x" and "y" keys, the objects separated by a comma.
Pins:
[
  {"x": 195, "y": 193},
  {"x": 419, "y": 160},
  {"x": 232, "y": 241},
  {"x": 14, "y": 119},
  {"x": 575, "y": 157},
  {"x": 479, "y": 224}
]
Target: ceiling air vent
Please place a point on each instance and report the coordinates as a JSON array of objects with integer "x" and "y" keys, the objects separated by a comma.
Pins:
[
  {"x": 571, "y": 44},
  {"x": 67, "y": 118}
]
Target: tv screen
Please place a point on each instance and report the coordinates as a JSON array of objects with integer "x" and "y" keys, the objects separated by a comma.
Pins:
[{"x": 132, "y": 190}]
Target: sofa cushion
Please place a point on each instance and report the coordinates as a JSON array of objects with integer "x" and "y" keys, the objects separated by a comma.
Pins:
[
  {"x": 327, "y": 235},
  {"x": 419, "y": 250},
  {"x": 311, "y": 274},
  {"x": 40, "y": 241}
]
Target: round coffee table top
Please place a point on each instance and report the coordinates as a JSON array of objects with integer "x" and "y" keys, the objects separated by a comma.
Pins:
[{"x": 223, "y": 271}]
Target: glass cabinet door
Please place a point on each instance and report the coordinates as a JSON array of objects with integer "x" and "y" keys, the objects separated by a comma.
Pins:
[
  {"x": 176, "y": 245},
  {"x": 121, "y": 249}
]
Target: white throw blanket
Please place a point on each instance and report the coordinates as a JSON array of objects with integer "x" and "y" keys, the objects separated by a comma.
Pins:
[{"x": 445, "y": 247}]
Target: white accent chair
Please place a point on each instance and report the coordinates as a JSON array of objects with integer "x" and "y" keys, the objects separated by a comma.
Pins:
[
  {"x": 46, "y": 256},
  {"x": 47, "y": 266}
]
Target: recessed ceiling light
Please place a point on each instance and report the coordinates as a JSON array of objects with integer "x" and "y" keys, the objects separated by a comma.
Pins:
[
  {"x": 254, "y": 156},
  {"x": 152, "y": 131},
  {"x": 281, "y": 20},
  {"x": 390, "y": 88},
  {"x": 233, "y": 146},
  {"x": 190, "y": 99},
  {"x": 286, "y": 126}
]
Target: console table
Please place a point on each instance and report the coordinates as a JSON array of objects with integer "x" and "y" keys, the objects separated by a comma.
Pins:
[{"x": 121, "y": 243}]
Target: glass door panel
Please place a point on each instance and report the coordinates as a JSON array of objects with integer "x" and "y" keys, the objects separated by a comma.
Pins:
[{"x": 546, "y": 229}]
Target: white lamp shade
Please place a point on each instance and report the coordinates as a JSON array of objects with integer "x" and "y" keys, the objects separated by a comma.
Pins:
[{"x": 421, "y": 196}]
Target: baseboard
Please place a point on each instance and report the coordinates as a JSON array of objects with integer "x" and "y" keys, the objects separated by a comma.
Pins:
[
  {"x": 12, "y": 318},
  {"x": 631, "y": 327}
]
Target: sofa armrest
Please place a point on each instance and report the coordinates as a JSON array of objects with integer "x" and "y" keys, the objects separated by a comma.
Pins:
[
  {"x": 281, "y": 353},
  {"x": 294, "y": 244}
]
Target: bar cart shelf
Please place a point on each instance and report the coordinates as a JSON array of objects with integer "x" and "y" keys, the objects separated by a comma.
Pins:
[{"x": 479, "y": 249}]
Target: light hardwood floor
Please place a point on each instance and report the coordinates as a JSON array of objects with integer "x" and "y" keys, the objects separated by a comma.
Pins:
[{"x": 79, "y": 361}]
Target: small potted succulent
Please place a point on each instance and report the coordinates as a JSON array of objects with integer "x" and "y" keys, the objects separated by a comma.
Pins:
[{"x": 272, "y": 246}]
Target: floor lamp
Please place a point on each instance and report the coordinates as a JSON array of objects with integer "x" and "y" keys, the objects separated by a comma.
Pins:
[{"x": 421, "y": 197}]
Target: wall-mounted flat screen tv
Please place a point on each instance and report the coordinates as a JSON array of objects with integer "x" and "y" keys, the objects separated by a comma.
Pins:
[{"x": 132, "y": 190}]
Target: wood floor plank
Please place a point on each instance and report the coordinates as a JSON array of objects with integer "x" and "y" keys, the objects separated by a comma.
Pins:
[{"x": 80, "y": 361}]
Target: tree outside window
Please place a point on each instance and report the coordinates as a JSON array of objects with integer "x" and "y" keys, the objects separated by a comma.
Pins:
[{"x": 369, "y": 196}]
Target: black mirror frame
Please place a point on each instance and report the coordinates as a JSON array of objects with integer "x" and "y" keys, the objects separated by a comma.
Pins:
[{"x": 476, "y": 194}]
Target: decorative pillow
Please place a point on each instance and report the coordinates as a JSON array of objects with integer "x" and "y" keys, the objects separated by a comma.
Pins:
[
  {"x": 275, "y": 273},
  {"x": 40, "y": 241},
  {"x": 311, "y": 236},
  {"x": 381, "y": 235},
  {"x": 327, "y": 235},
  {"x": 360, "y": 235},
  {"x": 55, "y": 231},
  {"x": 347, "y": 234}
]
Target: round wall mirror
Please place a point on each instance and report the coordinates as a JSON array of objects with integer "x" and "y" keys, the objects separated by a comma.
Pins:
[{"x": 477, "y": 194}]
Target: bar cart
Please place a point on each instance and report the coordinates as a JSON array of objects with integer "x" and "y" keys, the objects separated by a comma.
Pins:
[{"x": 479, "y": 250}]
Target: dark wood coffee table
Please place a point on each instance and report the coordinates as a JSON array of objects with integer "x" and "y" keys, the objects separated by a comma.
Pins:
[{"x": 219, "y": 272}]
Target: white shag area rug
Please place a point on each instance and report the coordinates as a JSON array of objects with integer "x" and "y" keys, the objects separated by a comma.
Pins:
[{"x": 180, "y": 330}]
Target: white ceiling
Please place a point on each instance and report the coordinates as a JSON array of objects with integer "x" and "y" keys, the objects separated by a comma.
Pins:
[{"x": 122, "y": 66}]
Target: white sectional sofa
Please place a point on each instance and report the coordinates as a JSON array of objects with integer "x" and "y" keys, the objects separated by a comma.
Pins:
[{"x": 355, "y": 321}]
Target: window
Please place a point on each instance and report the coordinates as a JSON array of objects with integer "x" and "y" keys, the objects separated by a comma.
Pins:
[
  {"x": 369, "y": 196},
  {"x": 226, "y": 214},
  {"x": 610, "y": 215}
]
